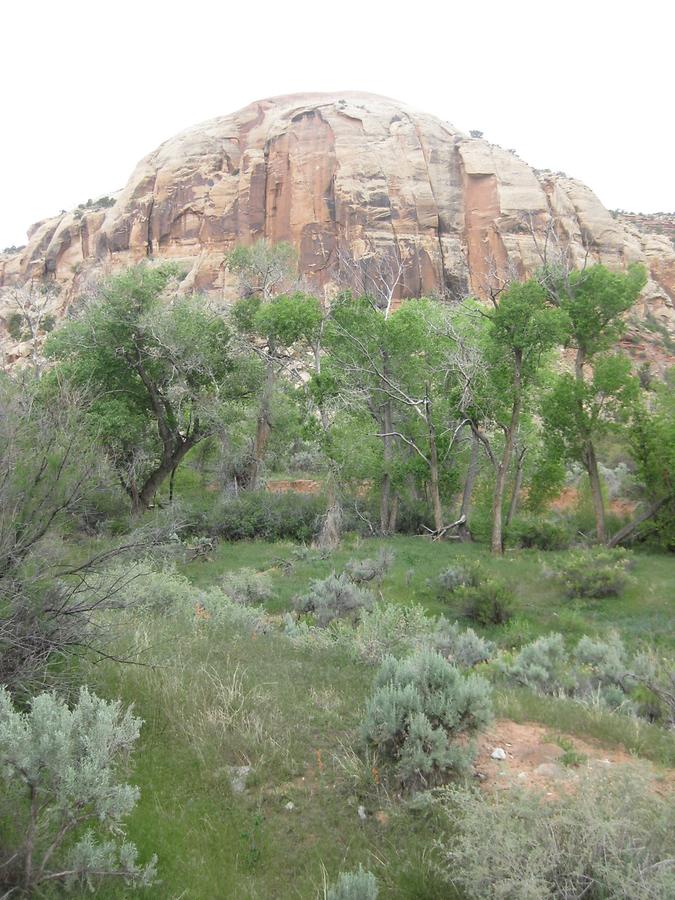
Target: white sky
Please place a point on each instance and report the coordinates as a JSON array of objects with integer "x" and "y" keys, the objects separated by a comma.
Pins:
[{"x": 88, "y": 88}]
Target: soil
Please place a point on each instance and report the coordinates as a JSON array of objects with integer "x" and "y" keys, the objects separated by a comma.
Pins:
[{"x": 533, "y": 758}]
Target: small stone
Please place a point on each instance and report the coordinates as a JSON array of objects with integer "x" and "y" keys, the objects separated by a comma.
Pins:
[
  {"x": 498, "y": 753},
  {"x": 289, "y": 806},
  {"x": 550, "y": 770},
  {"x": 361, "y": 812},
  {"x": 238, "y": 776}
]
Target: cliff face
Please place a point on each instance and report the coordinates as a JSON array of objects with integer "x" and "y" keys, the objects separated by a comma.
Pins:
[{"x": 343, "y": 177}]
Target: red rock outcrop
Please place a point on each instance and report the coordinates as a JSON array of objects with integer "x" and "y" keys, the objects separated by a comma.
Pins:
[{"x": 342, "y": 176}]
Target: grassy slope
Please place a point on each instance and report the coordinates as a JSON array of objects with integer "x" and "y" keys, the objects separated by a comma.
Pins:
[
  {"x": 224, "y": 699},
  {"x": 643, "y": 612}
]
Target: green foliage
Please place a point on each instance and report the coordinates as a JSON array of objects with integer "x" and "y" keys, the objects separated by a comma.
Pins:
[
  {"x": 541, "y": 665},
  {"x": 247, "y": 587},
  {"x": 61, "y": 768},
  {"x": 357, "y": 885},
  {"x": 335, "y": 597},
  {"x": 158, "y": 373},
  {"x": 613, "y": 836},
  {"x": 265, "y": 516},
  {"x": 533, "y": 532},
  {"x": 263, "y": 268},
  {"x": 418, "y": 707},
  {"x": 487, "y": 603},
  {"x": 595, "y": 300},
  {"x": 595, "y": 573},
  {"x": 363, "y": 570},
  {"x": 464, "y": 573}
]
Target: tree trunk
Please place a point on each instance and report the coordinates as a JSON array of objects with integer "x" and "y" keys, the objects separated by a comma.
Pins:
[
  {"x": 434, "y": 484},
  {"x": 628, "y": 529},
  {"x": 517, "y": 486},
  {"x": 467, "y": 495},
  {"x": 142, "y": 499},
  {"x": 263, "y": 430},
  {"x": 497, "y": 541},
  {"x": 385, "y": 494},
  {"x": 596, "y": 491}
]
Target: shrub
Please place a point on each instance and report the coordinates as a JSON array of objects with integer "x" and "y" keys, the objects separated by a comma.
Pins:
[
  {"x": 541, "y": 665},
  {"x": 60, "y": 768},
  {"x": 532, "y": 532},
  {"x": 335, "y": 597},
  {"x": 463, "y": 648},
  {"x": 358, "y": 885},
  {"x": 462, "y": 574},
  {"x": 418, "y": 706},
  {"x": 487, "y": 603},
  {"x": 270, "y": 517},
  {"x": 614, "y": 836},
  {"x": 247, "y": 587},
  {"x": 595, "y": 573},
  {"x": 362, "y": 570}
]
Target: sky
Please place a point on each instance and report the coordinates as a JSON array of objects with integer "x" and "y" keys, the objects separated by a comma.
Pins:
[{"x": 90, "y": 88}]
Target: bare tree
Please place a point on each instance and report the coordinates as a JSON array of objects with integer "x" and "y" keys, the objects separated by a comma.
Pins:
[
  {"x": 29, "y": 316},
  {"x": 373, "y": 275}
]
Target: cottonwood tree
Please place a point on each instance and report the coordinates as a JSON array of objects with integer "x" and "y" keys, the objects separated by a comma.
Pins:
[
  {"x": 358, "y": 345},
  {"x": 651, "y": 437},
  {"x": 584, "y": 404},
  {"x": 275, "y": 327},
  {"x": 159, "y": 369},
  {"x": 514, "y": 338}
]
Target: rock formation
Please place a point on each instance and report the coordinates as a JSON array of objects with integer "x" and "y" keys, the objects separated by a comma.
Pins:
[{"x": 345, "y": 177}]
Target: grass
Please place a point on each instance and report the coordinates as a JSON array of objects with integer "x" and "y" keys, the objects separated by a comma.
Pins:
[
  {"x": 642, "y": 612},
  {"x": 226, "y": 699},
  {"x": 221, "y": 698}
]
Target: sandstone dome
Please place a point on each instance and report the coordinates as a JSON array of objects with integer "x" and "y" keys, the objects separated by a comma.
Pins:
[{"x": 343, "y": 176}]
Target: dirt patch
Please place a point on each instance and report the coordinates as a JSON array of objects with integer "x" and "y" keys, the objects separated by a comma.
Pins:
[
  {"x": 299, "y": 485},
  {"x": 535, "y": 758},
  {"x": 568, "y": 499}
]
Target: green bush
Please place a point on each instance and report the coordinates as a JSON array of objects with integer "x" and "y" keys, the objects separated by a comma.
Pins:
[
  {"x": 532, "y": 532},
  {"x": 335, "y": 597},
  {"x": 488, "y": 603},
  {"x": 612, "y": 837},
  {"x": 418, "y": 707},
  {"x": 60, "y": 770},
  {"x": 247, "y": 587},
  {"x": 594, "y": 573},
  {"x": 541, "y": 665},
  {"x": 270, "y": 517},
  {"x": 462, "y": 574},
  {"x": 362, "y": 570},
  {"x": 358, "y": 885}
]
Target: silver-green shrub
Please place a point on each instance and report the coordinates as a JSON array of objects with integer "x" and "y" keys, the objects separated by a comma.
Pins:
[
  {"x": 363, "y": 570},
  {"x": 418, "y": 707},
  {"x": 247, "y": 586},
  {"x": 612, "y": 837},
  {"x": 542, "y": 665},
  {"x": 61, "y": 768},
  {"x": 357, "y": 885},
  {"x": 335, "y": 597},
  {"x": 595, "y": 573}
]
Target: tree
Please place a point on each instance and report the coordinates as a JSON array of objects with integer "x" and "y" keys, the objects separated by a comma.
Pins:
[
  {"x": 158, "y": 368},
  {"x": 32, "y": 317},
  {"x": 264, "y": 269},
  {"x": 516, "y": 335},
  {"x": 274, "y": 327},
  {"x": 652, "y": 446},
  {"x": 582, "y": 406},
  {"x": 50, "y": 472},
  {"x": 60, "y": 767}
]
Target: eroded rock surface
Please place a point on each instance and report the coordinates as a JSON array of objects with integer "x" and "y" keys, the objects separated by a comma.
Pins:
[{"x": 342, "y": 176}]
